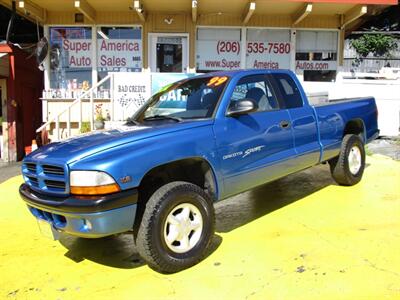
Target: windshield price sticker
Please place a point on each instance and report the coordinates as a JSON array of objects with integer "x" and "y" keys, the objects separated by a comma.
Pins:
[
  {"x": 216, "y": 81},
  {"x": 164, "y": 88}
]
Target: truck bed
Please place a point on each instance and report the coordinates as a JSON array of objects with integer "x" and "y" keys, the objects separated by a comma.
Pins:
[
  {"x": 332, "y": 117},
  {"x": 340, "y": 100}
]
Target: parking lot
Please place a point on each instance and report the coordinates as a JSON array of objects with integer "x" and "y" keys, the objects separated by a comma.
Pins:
[{"x": 301, "y": 237}]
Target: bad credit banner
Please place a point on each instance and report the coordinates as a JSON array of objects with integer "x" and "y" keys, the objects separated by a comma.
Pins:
[{"x": 131, "y": 90}]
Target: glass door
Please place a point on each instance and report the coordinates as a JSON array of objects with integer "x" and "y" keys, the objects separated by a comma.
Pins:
[{"x": 168, "y": 53}]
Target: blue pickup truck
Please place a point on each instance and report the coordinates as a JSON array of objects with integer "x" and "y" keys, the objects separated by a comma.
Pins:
[{"x": 195, "y": 142}]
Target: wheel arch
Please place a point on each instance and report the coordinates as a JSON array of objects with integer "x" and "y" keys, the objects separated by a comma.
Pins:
[
  {"x": 196, "y": 170},
  {"x": 357, "y": 127}
]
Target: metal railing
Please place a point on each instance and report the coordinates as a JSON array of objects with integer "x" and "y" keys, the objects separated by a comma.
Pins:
[{"x": 78, "y": 101}]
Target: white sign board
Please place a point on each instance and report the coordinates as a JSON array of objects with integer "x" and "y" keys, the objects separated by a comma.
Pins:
[
  {"x": 131, "y": 90},
  {"x": 316, "y": 65},
  {"x": 268, "y": 49},
  {"x": 111, "y": 53},
  {"x": 218, "y": 55},
  {"x": 218, "y": 49},
  {"x": 79, "y": 52},
  {"x": 119, "y": 53}
]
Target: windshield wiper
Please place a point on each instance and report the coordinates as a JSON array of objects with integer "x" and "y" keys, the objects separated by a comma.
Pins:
[
  {"x": 131, "y": 121},
  {"x": 162, "y": 117}
]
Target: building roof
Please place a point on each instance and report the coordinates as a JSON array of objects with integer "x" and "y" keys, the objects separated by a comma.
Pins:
[{"x": 295, "y": 8}]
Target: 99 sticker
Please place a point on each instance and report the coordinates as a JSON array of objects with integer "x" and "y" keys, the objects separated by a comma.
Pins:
[{"x": 216, "y": 81}]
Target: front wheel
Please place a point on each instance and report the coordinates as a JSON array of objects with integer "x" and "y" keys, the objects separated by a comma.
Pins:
[
  {"x": 176, "y": 228},
  {"x": 348, "y": 167}
]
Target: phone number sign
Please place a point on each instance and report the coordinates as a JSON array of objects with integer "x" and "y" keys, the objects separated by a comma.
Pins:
[
  {"x": 268, "y": 55},
  {"x": 218, "y": 55},
  {"x": 226, "y": 55}
]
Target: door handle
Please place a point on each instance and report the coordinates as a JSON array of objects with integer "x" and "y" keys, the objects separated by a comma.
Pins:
[{"x": 284, "y": 124}]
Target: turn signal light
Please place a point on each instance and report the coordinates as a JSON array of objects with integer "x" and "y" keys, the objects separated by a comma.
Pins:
[{"x": 95, "y": 190}]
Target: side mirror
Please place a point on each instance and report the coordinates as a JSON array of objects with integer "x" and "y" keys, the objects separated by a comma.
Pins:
[{"x": 242, "y": 107}]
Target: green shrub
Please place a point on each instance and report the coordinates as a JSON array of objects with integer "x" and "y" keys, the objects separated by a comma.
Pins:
[
  {"x": 85, "y": 127},
  {"x": 377, "y": 44}
]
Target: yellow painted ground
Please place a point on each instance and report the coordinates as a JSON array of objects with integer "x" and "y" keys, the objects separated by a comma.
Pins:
[{"x": 331, "y": 243}]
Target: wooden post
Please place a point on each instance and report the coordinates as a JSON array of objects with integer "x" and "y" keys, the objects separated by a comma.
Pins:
[
  {"x": 112, "y": 97},
  {"x": 69, "y": 121},
  {"x": 91, "y": 111},
  {"x": 57, "y": 128}
]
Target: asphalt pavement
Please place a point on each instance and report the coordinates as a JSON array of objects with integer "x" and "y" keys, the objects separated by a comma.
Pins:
[
  {"x": 9, "y": 170},
  {"x": 300, "y": 237},
  {"x": 387, "y": 147}
]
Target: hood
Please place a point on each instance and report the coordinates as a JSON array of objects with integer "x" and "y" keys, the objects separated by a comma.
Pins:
[{"x": 78, "y": 147}]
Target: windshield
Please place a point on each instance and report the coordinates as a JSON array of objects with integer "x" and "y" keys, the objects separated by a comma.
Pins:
[{"x": 189, "y": 99}]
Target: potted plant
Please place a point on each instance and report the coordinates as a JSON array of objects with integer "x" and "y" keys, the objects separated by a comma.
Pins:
[{"x": 99, "y": 119}]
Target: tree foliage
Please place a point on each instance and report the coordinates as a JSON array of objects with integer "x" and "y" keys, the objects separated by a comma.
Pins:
[{"x": 378, "y": 44}]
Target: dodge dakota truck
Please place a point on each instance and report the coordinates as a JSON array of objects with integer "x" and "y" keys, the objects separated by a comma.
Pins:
[{"x": 195, "y": 142}]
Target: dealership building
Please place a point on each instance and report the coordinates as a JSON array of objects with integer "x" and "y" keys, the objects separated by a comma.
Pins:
[
  {"x": 93, "y": 38},
  {"x": 90, "y": 39}
]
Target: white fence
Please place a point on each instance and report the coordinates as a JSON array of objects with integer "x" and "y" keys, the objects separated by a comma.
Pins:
[{"x": 370, "y": 63}]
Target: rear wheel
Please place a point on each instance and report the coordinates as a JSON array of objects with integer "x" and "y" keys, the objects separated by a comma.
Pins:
[
  {"x": 348, "y": 167},
  {"x": 176, "y": 228}
]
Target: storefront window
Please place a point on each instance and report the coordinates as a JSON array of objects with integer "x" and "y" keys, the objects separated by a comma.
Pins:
[
  {"x": 119, "y": 49},
  {"x": 70, "y": 59},
  {"x": 268, "y": 49},
  {"x": 316, "y": 55},
  {"x": 217, "y": 49}
]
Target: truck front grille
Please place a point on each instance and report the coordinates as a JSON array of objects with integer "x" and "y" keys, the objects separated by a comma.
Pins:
[
  {"x": 46, "y": 178},
  {"x": 53, "y": 170},
  {"x": 31, "y": 167}
]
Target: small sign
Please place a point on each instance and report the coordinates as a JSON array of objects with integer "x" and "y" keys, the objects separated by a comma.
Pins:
[
  {"x": 131, "y": 91},
  {"x": 316, "y": 65}
]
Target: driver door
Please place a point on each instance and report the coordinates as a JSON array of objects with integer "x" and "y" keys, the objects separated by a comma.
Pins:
[{"x": 254, "y": 148}]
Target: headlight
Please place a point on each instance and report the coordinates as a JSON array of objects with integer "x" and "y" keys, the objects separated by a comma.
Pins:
[{"x": 92, "y": 183}]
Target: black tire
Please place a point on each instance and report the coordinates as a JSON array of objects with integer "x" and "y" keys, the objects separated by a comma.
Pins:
[
  {"x": 151, "y": 243},
  {"x": 340, "y": 167}
]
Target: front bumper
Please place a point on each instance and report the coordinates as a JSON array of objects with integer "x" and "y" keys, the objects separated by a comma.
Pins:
[{"x": 91, "y": 218}]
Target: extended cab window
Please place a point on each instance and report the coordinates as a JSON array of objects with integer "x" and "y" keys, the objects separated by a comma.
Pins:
[
  {"x": 256, "y": 88},
  {"x": 289, "y": 91}
]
